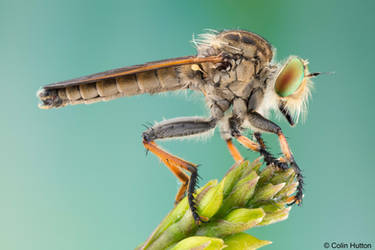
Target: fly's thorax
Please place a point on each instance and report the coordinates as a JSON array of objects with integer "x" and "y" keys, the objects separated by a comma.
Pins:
[
  {"x": 246, "y": 54},
  {"x": 251, "y": 45},
  {"x": 247, "y": 44}
]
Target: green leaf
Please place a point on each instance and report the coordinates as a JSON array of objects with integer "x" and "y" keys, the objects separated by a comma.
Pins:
[
  {"x": 267, "y": 192},
  {"x": 232, "y": 176},
  {"x": 236, "y": 221},
  {"x": 282, "y": 176},
  {"x": 245, "y": 215},
  {"x": 211, "y": 201},
  {"x": 239, "y": 196},
  {"x": 177, "y": 223},
  {"x": 276, "y": 216},
  {"x": 243, "y": 241},
  {"x": 253, "y": 166},
  {"x": 200, "y": 243},
  {"x": 266, "y": 174},
  {"x": 288, "y": 190}
]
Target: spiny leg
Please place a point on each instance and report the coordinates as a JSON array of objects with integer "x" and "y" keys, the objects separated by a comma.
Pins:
[
  {"x": 234, "y": 124},
  {"x": 258, "y": 121},
  {"x": 175, "y": 128},
  {"x": 247, "y": 143},
  {"x": 235, "y": 131},
  {"x": 268, "y": 157}
]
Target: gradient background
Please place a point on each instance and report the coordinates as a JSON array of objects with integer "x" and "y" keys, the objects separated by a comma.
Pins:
[{"x": 78, "y": 178}]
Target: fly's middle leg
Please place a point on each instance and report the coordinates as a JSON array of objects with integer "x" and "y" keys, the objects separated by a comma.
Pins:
[
  {"x": 231, "y": 129},
  {"x": 175, "y": 128},
  {"x": 258, "y": 146}
]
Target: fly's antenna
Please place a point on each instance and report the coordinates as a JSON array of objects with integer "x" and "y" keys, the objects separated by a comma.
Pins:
[{"x": 312, "y": 75}]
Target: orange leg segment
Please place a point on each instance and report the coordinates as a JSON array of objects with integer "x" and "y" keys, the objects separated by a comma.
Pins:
[
  {"x": 297, "y": 199},
  {"x": 181, "y": 175},
  {"x": 285, "y": 147},
  {"x": 247, "y": 143},
  {"x": 176, "y": 165},
  {"x": 234, "y": 151},
  {"x": 164, "y": 155}
]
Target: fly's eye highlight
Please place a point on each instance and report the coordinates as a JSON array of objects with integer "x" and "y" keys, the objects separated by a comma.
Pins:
[{"x": 290, "y": 77}]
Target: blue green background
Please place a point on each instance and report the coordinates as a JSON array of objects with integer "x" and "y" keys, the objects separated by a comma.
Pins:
[{"x": 78, "y": 178}]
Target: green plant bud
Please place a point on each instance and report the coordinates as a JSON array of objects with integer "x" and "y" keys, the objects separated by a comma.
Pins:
[
  {"x": 200, "y": 243},
  {"x": 266, "y": 174},
  {"x": 239, "y": 202},
  {"x": 245, "y": 215},
  {"x": 291, "y": 178},
  {"x": 176, "y": 224},
  {"x": 282, "y": 176},
  {"x": 210, "y": 203},
  {"x": 288, "y": 190},
  {"x": 253, "y": 166},
  {"x": 244, "y": 241},
  {"x": 272, "y": 206},
  {"x": 239, "y": 196},
  {"x": 267, "y": 192},
  {"x": 236, "y": 221},
  {"x": 246, "y": 178},
  {"x": 232, "y": 176},
  {"x": 276, "y": 216},
  {"x": 175, "y": 215}
]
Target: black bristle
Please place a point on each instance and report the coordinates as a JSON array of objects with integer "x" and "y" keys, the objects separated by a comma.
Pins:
[{"x": 191, "y": 198}]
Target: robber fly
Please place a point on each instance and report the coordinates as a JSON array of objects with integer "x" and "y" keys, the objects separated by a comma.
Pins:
[{"x": 241, "y": 84}]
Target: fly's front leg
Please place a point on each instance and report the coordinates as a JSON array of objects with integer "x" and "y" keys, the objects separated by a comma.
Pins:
[
  {"x": 176, "y": 128},
  {"x": 268, "y": 157},
  {"x": 263, "y": 124}
]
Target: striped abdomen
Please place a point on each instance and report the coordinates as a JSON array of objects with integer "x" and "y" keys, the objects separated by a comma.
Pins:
[{"x": 154, "y": 81}]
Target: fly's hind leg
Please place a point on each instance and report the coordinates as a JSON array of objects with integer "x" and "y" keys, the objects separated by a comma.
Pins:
[{"x": 176, "y": 128}]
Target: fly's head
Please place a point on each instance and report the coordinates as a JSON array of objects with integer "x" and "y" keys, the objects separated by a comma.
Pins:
[{"x": 293, "y": 86}]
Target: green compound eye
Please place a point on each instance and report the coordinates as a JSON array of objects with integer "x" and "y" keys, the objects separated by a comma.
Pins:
[{"x": 290, "y": 78}]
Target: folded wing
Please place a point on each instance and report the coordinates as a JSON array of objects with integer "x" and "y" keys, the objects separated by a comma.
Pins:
[{"x": 152, "y": 77}]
